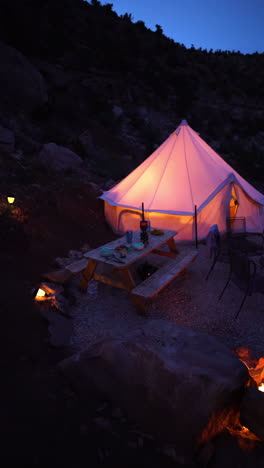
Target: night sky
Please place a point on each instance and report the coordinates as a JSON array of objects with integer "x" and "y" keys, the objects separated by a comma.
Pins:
[{"x": 235, "y": 25}]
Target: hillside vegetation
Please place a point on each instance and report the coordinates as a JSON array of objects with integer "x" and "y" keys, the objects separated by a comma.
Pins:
[{"x": 115, "y": 89}]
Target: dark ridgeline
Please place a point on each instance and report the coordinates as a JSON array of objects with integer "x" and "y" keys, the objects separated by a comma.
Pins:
[{"x": 110, "y": 61}]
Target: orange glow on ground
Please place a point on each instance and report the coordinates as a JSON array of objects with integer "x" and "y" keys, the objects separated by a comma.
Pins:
[{"x": 255, "y": 367}]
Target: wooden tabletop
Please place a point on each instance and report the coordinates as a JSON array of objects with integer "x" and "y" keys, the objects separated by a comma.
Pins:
[{"x": 133, "y": 255}]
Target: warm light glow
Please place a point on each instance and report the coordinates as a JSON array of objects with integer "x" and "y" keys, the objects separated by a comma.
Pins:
[
  {"x": 256, "y": 371},
  {"x": 10, "y": 200},
  {"x": 255, "y": 367},
  {"x": 40, "y": 293}
]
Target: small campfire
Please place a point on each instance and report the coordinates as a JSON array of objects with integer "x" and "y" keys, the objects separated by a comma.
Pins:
[{"x": 256, "y": 371}]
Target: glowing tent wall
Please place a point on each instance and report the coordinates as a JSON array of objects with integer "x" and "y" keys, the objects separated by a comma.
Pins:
[
  {"x": 182, "y": 173},
  {"x": 215, "y": 212}
]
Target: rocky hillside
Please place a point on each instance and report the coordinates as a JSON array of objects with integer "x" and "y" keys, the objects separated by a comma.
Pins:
[
  {"x": 86, "y": 95},
  {"x": 109, "y": 90}
]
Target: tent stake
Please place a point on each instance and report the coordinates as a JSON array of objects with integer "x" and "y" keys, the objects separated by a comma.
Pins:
[{"x": 195, "y": 226}]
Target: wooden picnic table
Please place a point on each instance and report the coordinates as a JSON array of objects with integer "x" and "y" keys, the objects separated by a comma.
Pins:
[{"x": 126, "y": 281}]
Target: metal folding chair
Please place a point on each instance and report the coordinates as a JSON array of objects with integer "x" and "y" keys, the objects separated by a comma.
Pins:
[
  {"x": 243, "y": 272},
  {"x": 236, "y": 226}
]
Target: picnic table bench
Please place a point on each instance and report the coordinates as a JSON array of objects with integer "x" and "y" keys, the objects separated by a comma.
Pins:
[
  {"x": 151, "y": 286},
  {"x": 148, "y": 288}
]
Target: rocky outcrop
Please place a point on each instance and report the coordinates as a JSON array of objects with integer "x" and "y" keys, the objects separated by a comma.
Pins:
[
  {"x": 22, "y": 87},
  {"x": 85, "y": 141},
  {"x": 59, "y": 158},
  {"x": 60, "y": 328},
  {"x": 7, "y": 140},
  {"x": 179, "y": 385}
]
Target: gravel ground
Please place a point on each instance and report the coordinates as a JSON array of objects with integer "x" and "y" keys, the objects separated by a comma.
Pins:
[{"x": 189, "y": 301}]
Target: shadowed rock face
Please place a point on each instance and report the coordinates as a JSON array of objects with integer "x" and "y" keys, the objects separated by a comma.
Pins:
[
  {"x": 21, "y": 84},
  {"x": 179, "y": 385},
  {"x": 7, "y": 140},
  {"x": 102, "y": 98},
  {"x": 58, "y": 158}
]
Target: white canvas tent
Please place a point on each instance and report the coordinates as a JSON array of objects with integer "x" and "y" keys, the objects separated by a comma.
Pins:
[{"x": 182, "y": 173}]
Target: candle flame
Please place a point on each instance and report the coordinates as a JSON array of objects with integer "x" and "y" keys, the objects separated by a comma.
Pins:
[{"x": 40, "y": 293}]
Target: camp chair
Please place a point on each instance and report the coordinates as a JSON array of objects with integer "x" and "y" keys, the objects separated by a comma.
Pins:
[
  {"x": 217, "y": 249},
  {"x": 243, "y": 272},
  {"x": 236, "y": 226},
  {"x": 236, "y": 232},
  {"x": 213, "y": 247},
  {"x": 258, "y": 239},
  {"x": 238, "y": 238}
]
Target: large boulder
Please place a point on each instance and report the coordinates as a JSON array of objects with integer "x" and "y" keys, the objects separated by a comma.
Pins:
[
  {"x": 21, "y": 85},
  {"x": 86, "y": 143},
  {"x": 60, "y": 328},
  {"x": 179, "y": 385},
  {"x": 7, "y": 140},
  {"x": 54, "y": 74},
  {"x": 59, "y": 158}
]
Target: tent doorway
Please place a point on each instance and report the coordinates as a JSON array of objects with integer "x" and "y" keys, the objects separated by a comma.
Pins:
[{"x": 233, "y": 206}]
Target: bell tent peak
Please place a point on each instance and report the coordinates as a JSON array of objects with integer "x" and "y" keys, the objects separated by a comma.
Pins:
[{"x": 181, "y": 175}]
